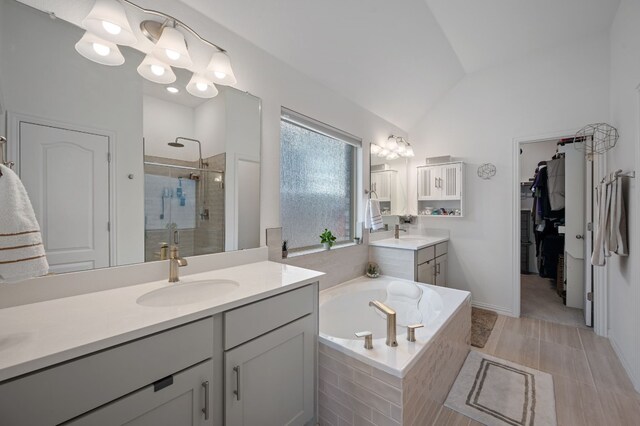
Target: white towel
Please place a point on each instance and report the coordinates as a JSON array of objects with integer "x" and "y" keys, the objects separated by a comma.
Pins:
[
  {"x": 617, "y": 221},
  {"x": 373, "y": 217},
  {"x": 22, "y": 254},
  {"x": 602, "y": 210}
]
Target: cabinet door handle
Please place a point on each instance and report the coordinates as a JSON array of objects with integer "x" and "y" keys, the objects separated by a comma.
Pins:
[
  {"x": 205, "y": 410},
  {"x": 437, "y": 268},
  {"x": 236, "y": 392}
]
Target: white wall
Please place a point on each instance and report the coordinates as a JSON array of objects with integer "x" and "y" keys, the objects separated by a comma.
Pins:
[
  {"x": 210, "y": 127},
  {"x": 164, "y": 121},
  {"x": 624, "y": 273},
  {"x": 548, "y": 92},
  {"x": 40, "y": 73},
  {"x": 532, "y": 154}
]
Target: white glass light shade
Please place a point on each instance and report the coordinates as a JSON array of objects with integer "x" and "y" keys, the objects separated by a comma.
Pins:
[
  {"x": 201, "y": 87},
  {"x": 220, "y": 71},
  {"x": 383, "y": 152},
  {"x": 98, "y": 50},
  {"x": 156, "y": 71},
  {"x": 375, "y": 149},
  {"x": 409, "y": 152},
  {"x": 402, "y": 148},
  {"x": 172, "y": 49},
  {"x": 392, "y": 156},
  {"x": 392, "y": 144},
  {"x": 108, "y": 20}
]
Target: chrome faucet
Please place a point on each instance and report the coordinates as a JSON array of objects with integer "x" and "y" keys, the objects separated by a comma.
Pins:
[
  {"x": 391, "y": 321},
  {"x": 397, "y": 230},
  {"x": 175, "y": 262}
]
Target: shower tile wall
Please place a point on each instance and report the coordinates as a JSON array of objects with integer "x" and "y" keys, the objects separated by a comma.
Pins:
[{"x": 208, "y": 235}]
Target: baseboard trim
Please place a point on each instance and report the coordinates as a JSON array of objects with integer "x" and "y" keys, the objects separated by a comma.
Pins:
[
  {"x": 498, "y": 309},
  {"x": 625, "y": 363}
]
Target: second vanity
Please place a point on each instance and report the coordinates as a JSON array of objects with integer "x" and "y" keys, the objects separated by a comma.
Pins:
[
  {"x": 237, "y": 346},
  {"x": 419, "y": 258}
]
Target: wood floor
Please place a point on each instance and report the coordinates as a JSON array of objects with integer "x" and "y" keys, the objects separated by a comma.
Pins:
[
  {"x": 591, "y": 386},
  {"x": 540, "y": 300}
]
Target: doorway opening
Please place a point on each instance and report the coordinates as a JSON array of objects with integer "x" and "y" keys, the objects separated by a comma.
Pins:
[{"x": 555, "y": 208}]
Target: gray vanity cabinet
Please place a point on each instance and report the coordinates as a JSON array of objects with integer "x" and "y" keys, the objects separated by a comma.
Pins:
[
  {"x": 427, "y": 265},
  {"x": 186, "y": 400},
  {"x": 269, "y": 376}
]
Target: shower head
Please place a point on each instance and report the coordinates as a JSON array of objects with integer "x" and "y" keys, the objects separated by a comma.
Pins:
[{"x": 176, "y": 144}]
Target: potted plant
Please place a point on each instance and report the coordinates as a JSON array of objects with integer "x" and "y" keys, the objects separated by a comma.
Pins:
[
  {"x": 285, "y": 249},
  {"x": 327, "y": 239}
]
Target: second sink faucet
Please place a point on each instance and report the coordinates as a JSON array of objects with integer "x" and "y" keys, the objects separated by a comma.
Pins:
[
  {"x": 391, "y": 321},
  {"x": 175, "y": 262},
  {"x": 397, "y": 230}
]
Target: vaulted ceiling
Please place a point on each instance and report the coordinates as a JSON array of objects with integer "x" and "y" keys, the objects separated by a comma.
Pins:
[{"x": 398, "y": 58}]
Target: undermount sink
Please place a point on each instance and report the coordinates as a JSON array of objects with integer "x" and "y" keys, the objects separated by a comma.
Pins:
[{"x": 185, "y": 293}]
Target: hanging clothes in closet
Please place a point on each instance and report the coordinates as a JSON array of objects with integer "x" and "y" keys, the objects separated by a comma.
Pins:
[{"x": 547, "y": 214}]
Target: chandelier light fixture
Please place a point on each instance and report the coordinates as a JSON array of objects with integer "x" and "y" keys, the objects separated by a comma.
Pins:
[
  {"x": 393, "y": 148},
  {"x": 107, "y": 26}
]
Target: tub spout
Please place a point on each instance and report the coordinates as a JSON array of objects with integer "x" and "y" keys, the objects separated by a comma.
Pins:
[{"x": 391, "y": 321}]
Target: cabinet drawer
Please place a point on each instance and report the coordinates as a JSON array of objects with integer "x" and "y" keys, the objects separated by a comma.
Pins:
[
  {"x": 250, "y": 321},
  {"x": 67, "y": 390},
  {"x": 426, "y": 254},
  {"x": 442, "y": 248}
]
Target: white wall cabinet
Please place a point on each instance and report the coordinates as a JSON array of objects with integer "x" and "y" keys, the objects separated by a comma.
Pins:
[
  {"x": 384, "y": 184},
  {"x": 440, "y": 186}
]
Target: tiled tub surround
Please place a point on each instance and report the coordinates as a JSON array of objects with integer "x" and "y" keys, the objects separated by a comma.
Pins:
[{"x": 405, "y": 385}]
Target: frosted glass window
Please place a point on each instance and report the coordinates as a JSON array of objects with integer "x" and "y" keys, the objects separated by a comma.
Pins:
[{"x": 317, "y": 184}]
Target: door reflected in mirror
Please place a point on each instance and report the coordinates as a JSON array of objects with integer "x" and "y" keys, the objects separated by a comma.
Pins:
[{"x": 114, "y": 164}]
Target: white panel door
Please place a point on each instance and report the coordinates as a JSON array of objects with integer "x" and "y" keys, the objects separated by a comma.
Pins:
[
  {"x": 269, "y": 380},
  {"x": 381, "y": 184},
  {"x": 575, "y": 225},
  {"x": 66, "y": 174}
]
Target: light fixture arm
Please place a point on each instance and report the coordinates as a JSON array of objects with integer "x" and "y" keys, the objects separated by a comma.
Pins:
[{"x": 176, "y": 23}]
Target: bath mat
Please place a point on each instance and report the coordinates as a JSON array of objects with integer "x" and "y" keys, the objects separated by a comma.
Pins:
[
  {"x": 496, "y": 392},
  {"x": 482, "y": 322}
]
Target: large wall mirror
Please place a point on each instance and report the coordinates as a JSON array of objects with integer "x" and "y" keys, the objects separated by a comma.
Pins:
[
  {"x": 118, "y": 167},
  {"x": 388, "y": 183}
]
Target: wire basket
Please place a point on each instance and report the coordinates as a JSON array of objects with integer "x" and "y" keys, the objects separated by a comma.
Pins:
[
  {"x": 486, "y": 171},
  {"x": 596, "y": 138}
]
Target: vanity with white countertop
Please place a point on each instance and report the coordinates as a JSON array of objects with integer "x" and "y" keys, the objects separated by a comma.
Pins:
[
  {"x": 230, "y": 346},
  {"x": 419, "y": 258}
]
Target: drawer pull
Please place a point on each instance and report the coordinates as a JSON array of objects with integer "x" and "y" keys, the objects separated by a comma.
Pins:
[
  {"x": 236, "y": 392},
  {"x": 205, "y": 410}
]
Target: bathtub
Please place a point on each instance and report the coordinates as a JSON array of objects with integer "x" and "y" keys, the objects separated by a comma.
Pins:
[{"x": 394, "y": 383}]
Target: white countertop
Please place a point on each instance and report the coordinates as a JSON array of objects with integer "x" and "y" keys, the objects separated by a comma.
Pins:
[
  {"x": 409, "y": 242},
  {"x": 42, "y": 334}
]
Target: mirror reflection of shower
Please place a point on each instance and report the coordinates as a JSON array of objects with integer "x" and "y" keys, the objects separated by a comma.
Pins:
[{"x": 202, "y": 190}]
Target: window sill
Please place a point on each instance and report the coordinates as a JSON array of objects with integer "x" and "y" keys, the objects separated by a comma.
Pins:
[{"x": 320, "y": 249}]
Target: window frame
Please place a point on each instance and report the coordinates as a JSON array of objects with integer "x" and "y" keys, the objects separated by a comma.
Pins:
[{"x": 313, "y": 125}]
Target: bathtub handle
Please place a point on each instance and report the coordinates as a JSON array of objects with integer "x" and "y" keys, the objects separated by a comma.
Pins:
[
  {"x": 411, "y": 331},
  {"x": 368, "y": 338}
]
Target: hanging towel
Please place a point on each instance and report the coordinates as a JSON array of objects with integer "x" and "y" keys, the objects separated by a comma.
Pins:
[
  {"x": 602, "y": 214},
  {"x": 556, "y": 178},
  {"x": 373, "y": 217},
  {"x": 22, "y": 254},
  {"x": 617, "y": 221}
]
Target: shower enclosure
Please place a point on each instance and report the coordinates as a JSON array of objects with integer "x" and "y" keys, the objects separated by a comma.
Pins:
[{"x": 187, "y": 197}]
